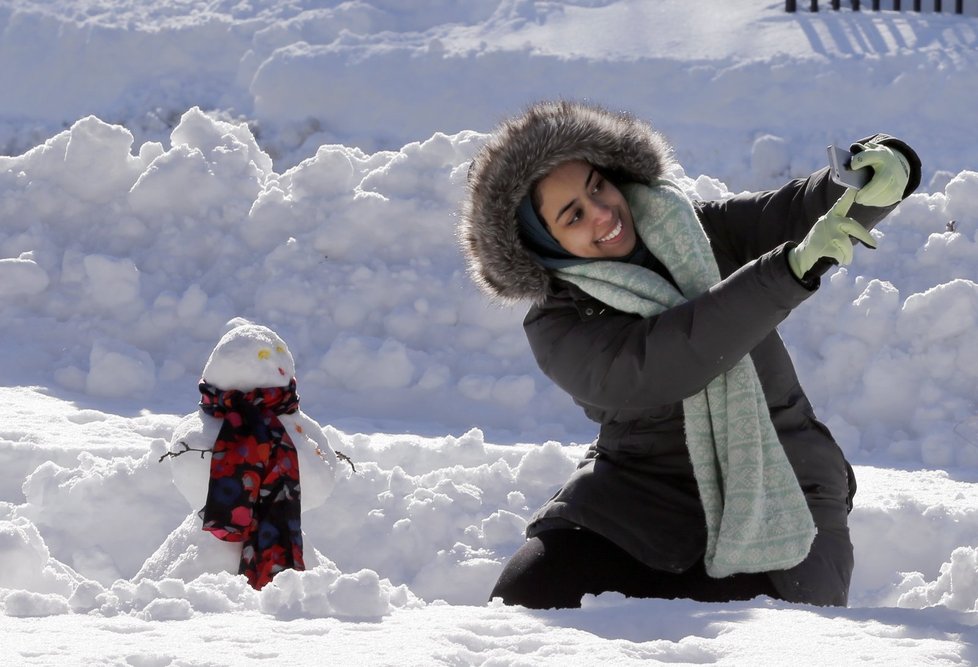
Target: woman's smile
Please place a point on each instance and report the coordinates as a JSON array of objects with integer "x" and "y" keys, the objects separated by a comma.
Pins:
[{"x": 614, "y": 234}]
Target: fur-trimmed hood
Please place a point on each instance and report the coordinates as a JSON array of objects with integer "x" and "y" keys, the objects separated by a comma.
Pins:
[{"x": 519, "y": 153}]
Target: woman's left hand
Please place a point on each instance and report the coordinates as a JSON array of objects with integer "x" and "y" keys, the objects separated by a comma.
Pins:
[{"x": 891, "y": 171}]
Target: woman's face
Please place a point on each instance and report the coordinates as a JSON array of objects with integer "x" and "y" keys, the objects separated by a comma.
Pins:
[{"x": 587, "y": 215}]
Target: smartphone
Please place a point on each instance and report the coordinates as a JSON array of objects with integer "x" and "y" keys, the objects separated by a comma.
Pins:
[{"x": 840, "y": 166}]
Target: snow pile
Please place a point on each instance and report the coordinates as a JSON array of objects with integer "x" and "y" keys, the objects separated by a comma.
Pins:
[
  {"x": 437, "y": 515},
  {"x": 955, "y": 588},
  {"x": 353, "y": 258},
  {"x": 31, "y": 582}
]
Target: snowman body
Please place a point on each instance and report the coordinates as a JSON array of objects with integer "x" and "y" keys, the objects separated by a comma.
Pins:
[
  {"x": 248, "y": 357},
  {"x": 196, "y": 433}
]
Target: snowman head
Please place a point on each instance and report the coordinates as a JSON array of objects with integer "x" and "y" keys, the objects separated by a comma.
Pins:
[{"x": 248, "y": 357}]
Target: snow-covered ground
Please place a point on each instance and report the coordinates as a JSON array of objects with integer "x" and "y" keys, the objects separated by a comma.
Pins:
[{"x": 171, "y": 166}]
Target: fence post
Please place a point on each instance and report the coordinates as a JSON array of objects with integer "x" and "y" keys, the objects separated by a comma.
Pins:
[{"x": 792, "y": 5}]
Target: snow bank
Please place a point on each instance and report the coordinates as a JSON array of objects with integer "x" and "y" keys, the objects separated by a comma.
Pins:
[{"x": 353, "y": 257}]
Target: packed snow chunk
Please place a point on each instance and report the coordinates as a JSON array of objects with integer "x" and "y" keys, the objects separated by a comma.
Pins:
[
  {"x": 192, "y": 304},
  {"x": 362, "y": 364},
  {"x": 217, "y": 592},
  {"x": 770, "y": 160},
  {"x": 476, "y": 387},
  {"x": 25, "y": 604},
  {"x": 706, "y": 188},
  {"x": 27, "y": 563},
  {"x": 22, "y": 276},
  {"x": 542, "y": 464},
  {"x": 419, "y": 170},
  {"x": 216, "y": 167},
  {"x": 962, "y": 196},
  {"x": 938, "y": 447},
  {"x": 189, "y": 552},
  {"x": 325, "y": 592},
  {"x": 71, "y": 505},
  {"x": 460, "y": 575},
  {"x": 118, "y": 370},
  {"x": 874, "y": 312},
  {"x": 941, "y": 313},
  {"x": 111, "y": 282},
  {"x": 167, "y": 609},
  {"x": 956, "y": 587},
  {"x": 210, "y": 135},
  {"x": 335, "y": 170},
  {"x": 86, "y": 597},
  {"x": 98, "y": 165},
  {"x": 359, "y": 595},
  {"x": 287, "y": 287},
  {"x": 314, "y": 588},
  {"x": 502, "y": 528},
  {"x": 515, "y": 391},
  {"x": 282, "y": 597},
  {"x": 181, "y": 169}
]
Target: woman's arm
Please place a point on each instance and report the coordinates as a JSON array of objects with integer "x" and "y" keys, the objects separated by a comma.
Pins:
[
  {"x": 748, "y": 225},
  {"x": 614, "y": 360}
]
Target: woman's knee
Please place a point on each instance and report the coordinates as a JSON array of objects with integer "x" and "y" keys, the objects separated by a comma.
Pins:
[
  {"x": 546, "y": 572},
  {"x": 823, "y": 577}
]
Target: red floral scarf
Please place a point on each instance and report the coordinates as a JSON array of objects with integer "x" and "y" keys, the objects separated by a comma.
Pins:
[{"x": 253, "y": 494}]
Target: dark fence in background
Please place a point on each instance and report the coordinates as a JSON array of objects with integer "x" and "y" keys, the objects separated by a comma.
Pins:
[{"x": 792, "y": 5}]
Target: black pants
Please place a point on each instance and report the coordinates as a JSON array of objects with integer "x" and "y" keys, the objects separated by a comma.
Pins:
[{"x": 558, "y": 567}]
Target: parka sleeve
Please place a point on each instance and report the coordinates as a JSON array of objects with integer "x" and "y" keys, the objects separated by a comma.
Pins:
[
  {"x": 617, "y": 361},
  {"x": 748, "y": 225}
]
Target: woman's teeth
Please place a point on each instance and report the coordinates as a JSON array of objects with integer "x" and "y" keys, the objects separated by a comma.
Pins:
[{"x": 612, "y": 234}]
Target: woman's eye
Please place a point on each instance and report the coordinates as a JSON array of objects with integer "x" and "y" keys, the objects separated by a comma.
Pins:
[{"x": 597, "y": 187}]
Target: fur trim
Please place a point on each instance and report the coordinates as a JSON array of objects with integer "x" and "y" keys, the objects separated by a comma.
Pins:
[{"x": 519, "y": 153}]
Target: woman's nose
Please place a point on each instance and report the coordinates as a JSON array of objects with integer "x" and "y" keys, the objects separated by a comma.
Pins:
[{"x": 600, "y": 212}]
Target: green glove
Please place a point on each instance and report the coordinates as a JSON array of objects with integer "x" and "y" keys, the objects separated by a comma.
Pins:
[
  {"x": 891, "y": 171},
  {"x": 830, "y": 238}
]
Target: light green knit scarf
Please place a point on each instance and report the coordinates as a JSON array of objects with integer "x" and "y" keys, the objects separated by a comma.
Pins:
[{"x": 756, "y": 516}]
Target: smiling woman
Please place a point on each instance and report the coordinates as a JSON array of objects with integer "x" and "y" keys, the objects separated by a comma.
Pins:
[
  {"x": 586, "y": 214},
  {"x": 711, "y": 478}
]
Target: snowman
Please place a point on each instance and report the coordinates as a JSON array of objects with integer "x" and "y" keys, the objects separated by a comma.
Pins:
[{"x": 248, "y": 461}]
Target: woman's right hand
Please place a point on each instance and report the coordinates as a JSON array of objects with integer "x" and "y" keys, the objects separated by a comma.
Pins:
[{"x": 830, "y": 238}]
